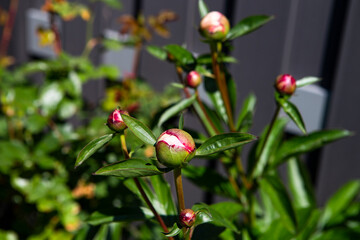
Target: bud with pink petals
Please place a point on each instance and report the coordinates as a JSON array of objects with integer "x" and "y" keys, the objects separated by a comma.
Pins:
[
  {"x": 214, "y": 26},
  {"x": 115, "y": 121},
  {"x": 285, "y": 84},
  {"x": 193, "y": 79},
  {"x": 175, "y": 148},
  {"x": 187, "y": 218}
]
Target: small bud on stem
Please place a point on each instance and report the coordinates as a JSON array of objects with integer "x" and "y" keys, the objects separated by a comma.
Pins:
[
  {"x": 214, "y": 26},
  {"x": 115, "y": 121},
  {"x": 285, "y": 84}
]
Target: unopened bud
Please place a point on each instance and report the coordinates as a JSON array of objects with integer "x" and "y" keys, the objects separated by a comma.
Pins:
[
  {"x": 285, "y": 84},
  {"x": 187, "y": 218},
  {"x": 115, "y": 121},
  {"x": 175, "y": 148},
  {"x": 214, "y": 26},
  {"x": 193, "y": 79}
]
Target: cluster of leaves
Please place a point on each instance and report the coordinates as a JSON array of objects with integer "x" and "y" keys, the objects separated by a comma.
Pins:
[{"x": 259, "y": 204}]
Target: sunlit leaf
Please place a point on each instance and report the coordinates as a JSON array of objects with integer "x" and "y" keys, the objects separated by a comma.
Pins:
[
  {"x": 92, "y": 147},
  {"x": 157, "y": 52},
  {"x": 306, "y": 81},
  {"x": 203, "y": 9},
  {"x": 139, "y": 129},
  {"x": 291, "y": 110},
  {"x": 224, "y": 142}
]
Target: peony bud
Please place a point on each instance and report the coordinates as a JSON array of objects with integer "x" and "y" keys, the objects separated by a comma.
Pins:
[
  {"x": 175, "y": 148},
  {"x": 214, "y": 26},
  {"x": 115, "y": 121},
  {"x": 193, "y": 79},
  {"x": 187, "y": 218},
  {"x": 285, "y": 84}
]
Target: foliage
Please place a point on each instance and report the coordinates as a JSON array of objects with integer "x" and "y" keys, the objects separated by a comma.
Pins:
[{"x": 40, "y": 138}]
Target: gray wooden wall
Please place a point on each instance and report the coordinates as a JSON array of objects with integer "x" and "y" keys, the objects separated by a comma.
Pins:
[{"x": 307, "y": 37}]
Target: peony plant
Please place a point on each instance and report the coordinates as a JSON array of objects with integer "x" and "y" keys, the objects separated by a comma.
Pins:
[{"x": 259, "y": 204}]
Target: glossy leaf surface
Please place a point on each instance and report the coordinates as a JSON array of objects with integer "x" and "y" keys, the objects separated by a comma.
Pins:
[
  {"x": 339, "y": 202},
  {"x": 131, "y": 168},
  {"x": 139, "y": 129},
  {"x": 292, "y": 111},
  {"x": 119, "y": 215},
  {"x": 92, "y": 147},
  {"x": 157, "y": 52},
  {"x": 247, "y": 25},
  {"x": 303, "y": 144},
  {"x": 181, "y": 55},
  {"x": 306, "y": 81},
  {"x": 176, "y": 109},
  {"x": 246, "y": 115},
  {"x": 224, "y": 142},
  {"x": 203, "y": 9}
]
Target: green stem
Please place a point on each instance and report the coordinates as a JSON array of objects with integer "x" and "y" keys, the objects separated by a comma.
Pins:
[
  {"x": 221, "y": 82},
  {"x": 179, "y": 188},
  {"x": 141, "y": 189}
]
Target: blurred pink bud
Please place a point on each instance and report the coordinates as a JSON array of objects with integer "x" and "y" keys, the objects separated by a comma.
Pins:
[{"x": 214, "y": 26}]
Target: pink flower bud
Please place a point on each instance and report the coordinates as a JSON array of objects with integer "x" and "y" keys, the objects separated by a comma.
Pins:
[
  {"x": 175, "y": 148},
  {"x": 285, "y": 84},
  {"x": 214, "y": 26},
  {"x": 187, "y": 218},
  {"x": 115, "y": 122},
  {"x": 193, "y": 79}
]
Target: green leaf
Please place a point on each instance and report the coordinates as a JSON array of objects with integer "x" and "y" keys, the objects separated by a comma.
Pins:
[
  {"x": 112, "y": 44},
  {"x": 266, "y": 149},
  {"x": 50, "y": 97},
  {"x": 75, "y": 84},
  {"x": 300, "y": 185},
  {"x": 246, "y": 115},
  {"x": 120, "y": 215},
  {"x": 339, "y": 233},
  {"x": 157, "y": 52},
  {"x": 181, "y": 121},
  {"x": 216, "y": 217},
  {"x": 139, "y": 129},
  {"x": 204, "y": 119},
  {"x": 209, "y": 180},
  {"x": 174, "y": 231},
  {"x": 229, "y": 210},
  {"x": 310, "y": 226},
  {"x": 92, "y": 147},
  {"x": 181, "y": 55},
  {"x": 131, "y": 168},
  {"x": 215, "y": 97},
  {"x": 306, "y": 81},
  {"x": 303, "y": 144},
  {"x": 222, "y": 142},
  {"x": 176, "y": 109},
  {"x": 205, "y": 59},
  {"x": 247, "y": 25},
  {"x": 273, "y": 187},
  {"x": 116, "y": 4},
  {"x": 276, "y": 231},
  {"x": 109, "y": 71},
  {"x": 163, "y": 194},
  {"x": 203, "y": 9},
  {"x": 339, "y": 202},
  {"x": 202, "y": 216},
  {"x": 292, "y": 111}
]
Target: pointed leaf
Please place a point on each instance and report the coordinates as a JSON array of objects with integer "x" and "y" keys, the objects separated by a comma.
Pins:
[
  {"x": 174, "y": 231},
  {"x": 303, "y": 144},
  {"x": 245, "y": 118},
  {"x": 300, "y": 185},
  {"x": 120, "y": 215},
  {"x": 306, "y": 81},
  {"x": 176, "y": 109},
  {"x": 280, "y": 200},
  {"x": 228, "y": 209},
  {"x": 204, "y": 119},
  {"x": 224, "y": 142},
  {"x": 291, "y": 110},
  {"x": 247, "y": 25},
  {"x": 131, "y": 168},
  {"x": 203, "y": 9},
  {"x": 92, "y": 147},
  {"x": 216, "y": 217},
  {"x": 209, "y": 180},
  {"x": 266, "y": 149},
  {"x": 157, "y": 52},
  {"x": 339, "y": 202},
  {"x": 139, "y": 129},
  {"x": 181, "y": 55},
  {"x": 216, "y": 99}
]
